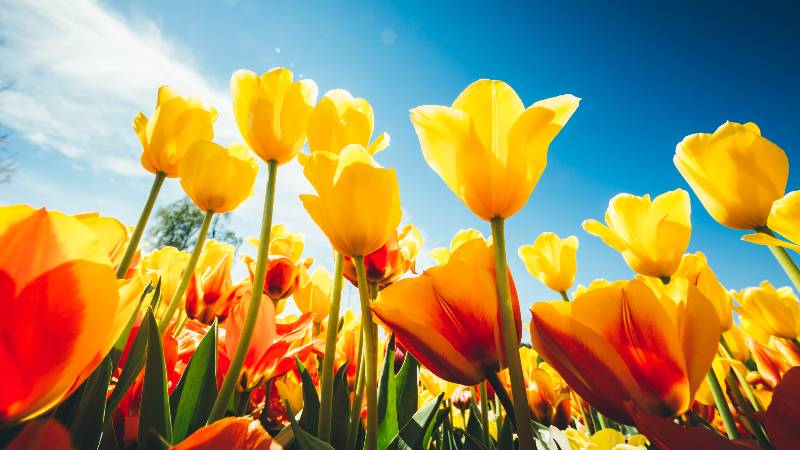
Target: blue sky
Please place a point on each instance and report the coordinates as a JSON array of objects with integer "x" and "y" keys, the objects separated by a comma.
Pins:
[{"x": 648, "y": 75}]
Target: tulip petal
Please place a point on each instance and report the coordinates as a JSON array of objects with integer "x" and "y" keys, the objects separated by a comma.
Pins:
[
  {"x": 781, "y": 419},
  {"x": 494, "y": 107}
]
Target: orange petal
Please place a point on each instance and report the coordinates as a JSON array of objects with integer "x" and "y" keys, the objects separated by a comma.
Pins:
[
  {"x": 230, "y": 433},
  {"x": 42, "y": 435}
]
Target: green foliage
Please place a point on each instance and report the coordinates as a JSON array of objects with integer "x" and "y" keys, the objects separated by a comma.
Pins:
[
  {"x": 192, "y": 399},
  {"x": 154, "y": 416},
  {"x": 178, "y": 224}
]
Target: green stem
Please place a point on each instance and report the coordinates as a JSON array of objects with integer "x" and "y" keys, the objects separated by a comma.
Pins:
[
  {"x": 355, "y": 411},
  {"x": 370, "y": 354},
  {"x": 722, "y": 405},
  {"x": 237, "y": 361},
  {"x": 187, "y": 274},
  {"x": 505, "y": 400},
  {"x": 326, "y": 384},
  {"x": 587, "y": 419},
  {"x": 510, "y": 338},
  {"x": 241, "y": 402},
  {"x": 748, "y": 390},
  {"x": 784, "y": 259},
  {"x": 564, "y": 296},
  {"x": 136, "y": 236},
  {"x": 484, "y": 414},
  {"x": 602, "y": 422}
]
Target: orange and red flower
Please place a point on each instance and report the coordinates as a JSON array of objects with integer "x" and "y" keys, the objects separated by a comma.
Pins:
[{"x": 387, "y": 264}]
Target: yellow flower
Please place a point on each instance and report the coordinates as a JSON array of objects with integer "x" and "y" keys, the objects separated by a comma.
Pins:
[
  {"x": 605, "y": 439},
  {"x": 165, "y": 264},
  {"x": 313, "y": 292},
  {"x": 595, "y": 284},
  {"x": 113, "y": 234},
  {"x": 272, "y": 112},
  {"x": 290, "y": 390},
  {"x": 776, "y": 311},
  {"x": 735, "y": 339},
  {"x": 218, "y": 178},
  {"x": 784, "y": 219},
  {"x": 735, "y": 173},
  {"x": 176, "y": 124},
  {"x": 694, "y": 267},
  {"x": 282, "y": 242},
  {"x": 487, "y": 147},
  {"x": 339, "y": 120},
  {"x": 552, "y": 260},
  {"x": 358, "y": 201},
  {"x": 441, "y": 255},
  {"x": 651, "y": 235}
]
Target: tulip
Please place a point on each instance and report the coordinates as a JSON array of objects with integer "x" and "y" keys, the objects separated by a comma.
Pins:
[
  {"x": 273, "y": 111},
  {"x": 695, "y": 268},
  {"x": 387, "y": 264},
  {"x": 339, "y": 120},
  {"x": 605, "y": 439},
  {"x": 781, "y": 417},
  {"x": 347, "y": 345},
  {"x": 47, "y": 434},
  {"x": 448, "y": 317},
  {"x": 282, "y": 242},
  {"x": 230, "y": 432},
  {"x": 651, "y": 235},
  {"x": 784, "y": 219},
  {"x": 312, "y": 293},
  {"x": 206, "y": 296},
  {"x": 552, "y": 260},
  {"x": 549, "y": 402},
  {"x": 113, "y": 234},
  {"x": 216, "y": 178},
  {"x": 441, "y": 255},
  {"x": 638, "y": 348},
  {"x": 775, "y": 311},
  {"x": 281, "y": 275},
  {"x": 57, "y": 280},
  {"x": 487, "y": 147},
  {"x": 165, "y": 265}
]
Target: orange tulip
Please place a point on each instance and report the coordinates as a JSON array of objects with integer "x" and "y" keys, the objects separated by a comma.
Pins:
[
  {"x": 61, "y": 296},
  {"x": 387, "y": 264},
  {"x": 620, "y": 342},
  {"x": 231, "y": 432},
  {"x": 280, "y": 278},
  {"x": 206, "y": 296},
  {"x": 113, "y": 234},
  {"x": 448, "y": 317},
  {"x": 44, "y": 435}
]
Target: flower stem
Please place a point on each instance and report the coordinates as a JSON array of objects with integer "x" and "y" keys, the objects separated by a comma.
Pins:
[
  {"x": 370, "y": 355},
  {"x": 748, "y": 390},
  {"x": 484, "y": 415},
  {"x": 175, "y": 301},
  {"x": 136, "y": 236},
  {"x": 229, "y": 382},
  {"x": 510, "y": 337},
  {"x": 784, "y": 259},
  {"x": 722, "y": 405},
  {"x": 502, "y": 394},
  {"x": 326, "y": 384},
  {"x": 358, "y": 397},
  {"x": 564, "y": 296}
]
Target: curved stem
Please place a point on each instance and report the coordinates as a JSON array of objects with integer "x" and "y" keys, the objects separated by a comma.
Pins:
[
  {"x": 237, "y": 361},
  {"x": 175, "y": 301},
  {"x": 505, "y": 400},
  {"x": 136, "y": 236},
  {"x": 326, "y": 384},
  {"x": 370, "y": 355},
  {"x": 783, "y": 259},
  {"x": 564, "y": 295},
  {"x": 484, "y": 415},
  {"x": 722, "y": 405},
  {"x": 510, "y": 337}
]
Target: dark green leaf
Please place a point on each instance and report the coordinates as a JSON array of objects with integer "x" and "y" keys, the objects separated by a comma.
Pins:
[
  {"x": 133, "y": 366},
  {"x": 414, "y": 434},
  {"x": 192, "y": 399},
  {"x": 109, "y": 438},
  {"x": 87, "y": 424},
  {"x": 407, "y": 391},
  {"x": 156, "y": 300},
  {"x": 506, "y": 437},
  {"x": 154, "y": 416},
  {"x": 341, "y": 408},
  {"x": 387, "y": 399},
  {"x": 302, "y": 438},
  {"x": 474, "y": 430},
  {"x": 310, "y": 415}
]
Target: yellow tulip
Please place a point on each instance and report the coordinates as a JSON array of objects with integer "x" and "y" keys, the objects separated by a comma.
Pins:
[
  {"x": 651, "y": 235},
  {"x": 272, "y": 112},
  {"x": 339, "y": 120},
  {"x": 605, "y": 439},
  {"x": 735, "y": 173},
  {"x": 218, "y": 178},
  {"x": 776, "y": 311},
  {"x": 312, "y": 293},
  {"x": 441, "y": 255},
  {"x": 358, "y": 201},
  {"x": 282, "y": 242},
  {"x": 165, "y": 264},
  {"x": 552, "y": 260},
  {"x": 487, "y": 147},
  {"x": 176, "y": 124},
  {"x": 694, "y": 267},
  {"x": 784, "y": 219}
]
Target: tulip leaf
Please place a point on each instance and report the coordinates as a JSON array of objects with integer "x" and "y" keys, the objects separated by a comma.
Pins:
[
  {"x": 417, "y": 431},
  {"x": 407, "y": 390},
  {"x": 387, "y": 399},
  {"x": 131, "y": 369},
  {"x": 310, "y": 416},
  {"x": 192, "y": 399},
  {"x": 154, "y": 415},
  {"x": 156, "y": 300},
  {"x": 302, "y": 438},
  {"x": 505, "y": 438},
  {"x": 473, "y": 430},
  {"x": 109, "y": 439},
  {"x": 341, "y": 403},
  {"x": 87, "y": 423}
]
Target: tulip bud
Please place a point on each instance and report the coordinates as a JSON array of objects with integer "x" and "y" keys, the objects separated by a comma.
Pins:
[
  {"x": 390, "y": 262},
  {"x": 462, "y": 398}
]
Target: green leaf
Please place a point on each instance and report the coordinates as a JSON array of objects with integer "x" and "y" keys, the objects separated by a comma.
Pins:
[
  {"x": 156, "y": 300},
  {"x": 506, "y": 437},
  {"x": 341, "y": 408},
  {"x": 407, "y": 390},
  {"x": 414, "y": 434},
  {"x": 310, "y": 417},
  {"x": 109, "y": 439},
  {"x": 133, "y": 366},
  {"x": 387, "y": 399},
  {"x": 192, "y": 399},
  {"x": 122, "y": 340},
  {"x": 154, "y": 416},
  {"x": 474, "y": 430},
  {"x": 87, "y": 424},
  {"x": 302, "y": 439}
]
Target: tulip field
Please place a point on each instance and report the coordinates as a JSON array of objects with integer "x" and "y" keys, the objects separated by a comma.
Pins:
[{"x": 106, "y": 344}]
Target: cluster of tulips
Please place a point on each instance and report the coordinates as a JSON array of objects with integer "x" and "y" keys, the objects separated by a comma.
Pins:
[{"x": 108, "y": 347}]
